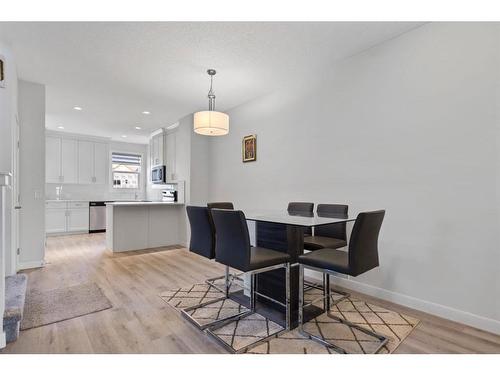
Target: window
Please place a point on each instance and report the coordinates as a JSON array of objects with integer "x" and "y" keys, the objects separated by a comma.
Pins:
[{"x": 126, "y": 170}]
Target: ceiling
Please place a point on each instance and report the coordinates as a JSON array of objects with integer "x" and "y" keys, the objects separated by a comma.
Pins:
[{"x": 115, "y": 71}]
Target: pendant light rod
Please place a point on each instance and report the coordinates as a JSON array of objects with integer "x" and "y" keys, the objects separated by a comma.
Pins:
[{"x": 211, "y": 94}]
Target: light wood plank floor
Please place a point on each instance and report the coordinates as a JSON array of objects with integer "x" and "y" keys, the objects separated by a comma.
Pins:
[{"x": 140, "y": 322}]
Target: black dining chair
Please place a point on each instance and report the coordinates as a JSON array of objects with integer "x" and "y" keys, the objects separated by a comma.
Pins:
[
  {"x": 300, "y": 207},
  {"x": 332, "y": 236},
  {"x": 227, "y": 276},
  {"x": 233, "y": 249},
  {"x": 361, "y": 257},
  {"x": 203, "y": 243}
]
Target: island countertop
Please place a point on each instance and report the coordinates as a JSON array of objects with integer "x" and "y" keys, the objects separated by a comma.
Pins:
[{"x": 143, "y": 203}]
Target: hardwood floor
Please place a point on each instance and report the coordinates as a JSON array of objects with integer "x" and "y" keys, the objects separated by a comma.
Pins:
[{"x": 140, "y": 322}]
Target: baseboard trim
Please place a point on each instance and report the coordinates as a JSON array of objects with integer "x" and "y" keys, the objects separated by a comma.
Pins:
[
  {"x": 446, "y": 312},
  {"x": 28, "y": 265}
]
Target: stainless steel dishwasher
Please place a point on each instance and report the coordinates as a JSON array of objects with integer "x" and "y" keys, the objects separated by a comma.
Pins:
[{"x": 97, "y": 217}]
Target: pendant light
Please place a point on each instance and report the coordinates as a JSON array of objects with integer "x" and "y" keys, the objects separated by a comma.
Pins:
[{"x": 211, "y": 122}]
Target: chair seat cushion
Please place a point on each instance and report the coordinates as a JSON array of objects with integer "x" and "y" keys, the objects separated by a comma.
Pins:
[
  {"x": 261, "y": 257},
  {"x": 329, "y": 259},
  {"x": 320, "y": 242}
]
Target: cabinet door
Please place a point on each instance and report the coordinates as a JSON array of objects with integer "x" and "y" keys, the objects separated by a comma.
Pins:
[
  {"x": 78, "y": 220},
  {"x": 53, "y": 159},
  {"x": 69, "y": 161},
  {"x": 101, "y": 163},
  {"x": 157, "y": 150},
  {"x": 55, "y": 220},
  {"x": 85, "y": 162},
  {"x": 170, "y": 155}
]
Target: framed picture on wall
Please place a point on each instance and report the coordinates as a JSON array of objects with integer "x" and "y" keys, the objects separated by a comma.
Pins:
[
  {"x": 249, "y": 148},
  {"x": 2, "y": 72}
]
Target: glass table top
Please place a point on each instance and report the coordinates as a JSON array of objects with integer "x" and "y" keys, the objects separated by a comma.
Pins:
[{"x": 298, "y": 218}]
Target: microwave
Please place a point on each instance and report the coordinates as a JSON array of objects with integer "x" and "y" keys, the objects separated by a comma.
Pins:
[{"x": 158, "y": 174}]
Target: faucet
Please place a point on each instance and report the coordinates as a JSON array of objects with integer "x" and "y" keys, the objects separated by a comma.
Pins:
[{"x": 59, "y": 192}]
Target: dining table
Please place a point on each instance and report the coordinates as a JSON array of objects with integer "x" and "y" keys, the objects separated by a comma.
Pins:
[{"x": 283, "y": 231}]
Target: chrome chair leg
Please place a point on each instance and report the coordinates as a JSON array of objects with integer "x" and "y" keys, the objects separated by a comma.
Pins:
[
  {"x": 190, "y": 318},
  {"x": 222, "y": 289},
  {"x": 253, "y": 301},
  {"x": 326, "y": 301}
]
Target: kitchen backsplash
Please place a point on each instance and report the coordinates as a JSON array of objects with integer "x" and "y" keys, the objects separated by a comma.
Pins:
[{"x": 90, "y": 192}]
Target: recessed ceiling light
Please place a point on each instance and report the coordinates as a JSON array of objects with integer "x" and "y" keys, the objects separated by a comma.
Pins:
[
  {"x": 60, "y": 127},
  {"x": 138, "y": 128},
  {"x": 124, "y": 136},
  {"x": 77, "y": 108},
  {"x": 146, "y": 112}
]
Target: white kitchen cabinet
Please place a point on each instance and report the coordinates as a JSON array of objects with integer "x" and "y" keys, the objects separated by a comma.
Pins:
[
  {"x": 170, "y": 153},
  {"x": 55, "y": 220},
  {"x": 66, "y": 217},
  {"x": 156, "y": 145},
  {"x": 78, "y": 219},
  {"x": 93, "y": 162},
  {"x": 61, "y": 160},
  {"x": 85, "y": 162},
  {"x": 101, "y": 163},
  {"x": 53, "y": 159},
  {"x": 69, "y": 161}
]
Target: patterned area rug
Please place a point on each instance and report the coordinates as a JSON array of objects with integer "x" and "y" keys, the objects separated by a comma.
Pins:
[{"x": 253, "y": 328}]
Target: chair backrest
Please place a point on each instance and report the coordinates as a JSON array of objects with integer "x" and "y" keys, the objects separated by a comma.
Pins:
[
  {"x": 301, "y": 206},
  {"x": 332, "y": 230},
  {"x": 202, "y": 236},
  {"x": 223, "y": 205},
  {"x": 232, "y": 243},
  {"x": 363, "y": 244},
  {"x": 304, "y": 207}
]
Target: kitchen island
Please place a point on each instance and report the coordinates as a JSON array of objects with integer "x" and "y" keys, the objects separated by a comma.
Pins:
[{"x": 142, "y": 225}]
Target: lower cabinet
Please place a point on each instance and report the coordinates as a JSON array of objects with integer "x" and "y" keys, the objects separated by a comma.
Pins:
[
  {"x": 66, "y": 217},
  {"x": 78, "y": 219},
  {"x": 55, "y": 220}
]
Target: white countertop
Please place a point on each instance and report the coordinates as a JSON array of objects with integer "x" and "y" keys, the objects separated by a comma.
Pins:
[
  {"x": 138, "y": 203},
  {"x": 66, "y": 200}
]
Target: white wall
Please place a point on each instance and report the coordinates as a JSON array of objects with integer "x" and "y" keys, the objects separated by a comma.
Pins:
[
  {"x": 408, "y": 126},
  {"x": 31, "y": 106}
]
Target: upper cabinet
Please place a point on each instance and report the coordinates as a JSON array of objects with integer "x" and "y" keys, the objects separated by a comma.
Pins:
[
  {"x": 53, "y": 159},
  {"x": 162, "y": 148},
  {"x": 85, "y": 162},
  {"x": 92, "y": 162},
  {"x": 156, "y": 147},
  {"x": 101, "y": 163},
  {"x": 73, "y": 161},
  {"x": 61, "y": 161},
  {"x": 69, "y": 160}
]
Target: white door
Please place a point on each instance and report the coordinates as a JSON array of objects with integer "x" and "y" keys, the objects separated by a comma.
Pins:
[
  {"x": 69, "y": 160},
  {"x": 101, "y": 163},
  {"x": 53, "y": 159},
  {"x": 55, "y": 220},
  {"x": 16, "y": 196},
  {"x": 78, "y": 219},
  {"x": 85, "y": 162}
]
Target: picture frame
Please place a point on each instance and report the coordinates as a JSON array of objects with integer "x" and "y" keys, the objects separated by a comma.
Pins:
[
  {"x": 2, "y": 72},
  {"x": 249, "y": 148}
]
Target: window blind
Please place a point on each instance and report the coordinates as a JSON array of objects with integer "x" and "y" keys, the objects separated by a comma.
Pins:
[{"x": 121, "y": 158}]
